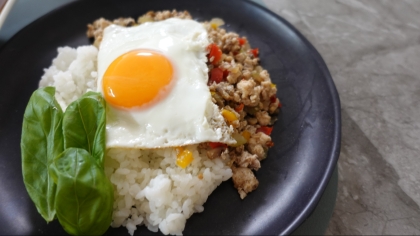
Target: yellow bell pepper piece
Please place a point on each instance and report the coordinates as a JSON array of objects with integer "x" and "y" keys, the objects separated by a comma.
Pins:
[
  {"x": 228, "y": 115},
  {"x": 246, "y": 134}
]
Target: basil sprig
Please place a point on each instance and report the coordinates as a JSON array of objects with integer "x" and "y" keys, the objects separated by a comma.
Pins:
[{"x": 62, "y": 161}]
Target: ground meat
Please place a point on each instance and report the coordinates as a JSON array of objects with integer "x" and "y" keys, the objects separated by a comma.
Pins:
[
  {"x": 163, "y": 15},
  {"x": 213, "y": 153},
  {"x": 244, "y": 180},
  {"x": 250, "y": 92},
  {"x": 248, "y": 160},
  {"x": 252, "y": 120},
  {"x": 226, "y": 91},
  {"x": 246, "y": 90},
  {"x": 257, "y": 144},
  {"x": 263, "y": 118},
  {"x": 247, "y": 87},
  {"x": 95, "y": 30},
  {"x": 234, "y": 73},
  {"x": 230, "y": 42},
  {"x": 225, "y": 154}
]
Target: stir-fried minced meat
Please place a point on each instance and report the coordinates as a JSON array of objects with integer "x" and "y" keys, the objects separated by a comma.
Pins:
[
  {"x": 247, "y": 88},
  {"x": 248, "y": 160},
  {"x": 244, "y": 180},
  {"x": 239, "y": 86},
  {"x": 257, "y": 144}
]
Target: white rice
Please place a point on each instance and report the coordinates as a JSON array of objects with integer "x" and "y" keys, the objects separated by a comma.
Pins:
[{"x": 149, "y": 188}]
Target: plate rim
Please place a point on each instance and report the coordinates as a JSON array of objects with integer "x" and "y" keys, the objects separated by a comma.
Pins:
[{"x": 316, "y": 56}]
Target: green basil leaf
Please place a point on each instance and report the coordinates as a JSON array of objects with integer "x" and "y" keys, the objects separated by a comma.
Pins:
[
  {"x": 84, "y": 125},
  {"x": 84, "y": 198},
  {"x": 41, "y": 142}
]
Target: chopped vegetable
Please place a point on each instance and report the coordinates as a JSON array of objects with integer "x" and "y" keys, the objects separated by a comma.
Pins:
[
  {"x": 216, "y": 145},
  {"x": 258, "y": 69},
  {"x": 255, "y": 52},
  {"x": 246, "y": 134},
  {"x": 270, "y": 144},
  {"x": 216, "y": 75},
  {"x": 265, "y": 129},
  {"x": 240, "y": 107},
  {"x": 251, "y": 110},
  {"x": 273, "y": 99},
  {"x": 240, "y": 140},
  {"x": 256, "y": 76},
  {"x": 225, "y": 74},
  {"x": 228, "y": 115},
  {"x": 216, "y": 22},
  {"x": 217, "y": 97},
  {"x": 184, "y": 157},
  {"x": 215, "y": 53},
  {"x": 242, "y": 41},
  {"x": 42, "y": 141}
]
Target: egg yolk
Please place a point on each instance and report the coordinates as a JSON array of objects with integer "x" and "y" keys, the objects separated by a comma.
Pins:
[{"x": 137, "y": 78}]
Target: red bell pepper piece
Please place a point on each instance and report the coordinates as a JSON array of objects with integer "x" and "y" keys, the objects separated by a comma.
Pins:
[
  {"x": 242, "y": 41},
  {"x": 215, "y": 52},
  {"x": 216, "y": 75},
  {"x": 265, "y": 129},
  {"x": 255, "y": 52},
  {"x": 216, "y": 145}
]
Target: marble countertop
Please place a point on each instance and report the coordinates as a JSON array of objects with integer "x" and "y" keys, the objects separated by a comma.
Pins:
[{"x": 372, "y": 49}]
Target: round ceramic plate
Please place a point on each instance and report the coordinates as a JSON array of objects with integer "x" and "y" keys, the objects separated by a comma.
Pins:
[{"x": 306, "y": 135}]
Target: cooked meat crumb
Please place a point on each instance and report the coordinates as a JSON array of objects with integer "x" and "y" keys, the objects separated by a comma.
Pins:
[
  {"x": 258, "y": 144},
  {"x": 244, "y": 180},
  {"x": 248, "y": 160},
  {"x": 263, "y": 118}
]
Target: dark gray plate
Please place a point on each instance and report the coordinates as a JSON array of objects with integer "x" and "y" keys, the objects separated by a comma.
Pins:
[{"x": 306, "y": 137}]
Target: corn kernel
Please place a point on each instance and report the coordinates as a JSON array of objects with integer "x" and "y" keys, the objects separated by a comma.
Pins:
[
  {"x": 273, "y": 85},
  {"x": 228, "y": 115},
  {"x": 184, "y": 158}
]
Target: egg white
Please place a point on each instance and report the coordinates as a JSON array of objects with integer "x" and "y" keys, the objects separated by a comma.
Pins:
[{"x": 186, "y": 115}]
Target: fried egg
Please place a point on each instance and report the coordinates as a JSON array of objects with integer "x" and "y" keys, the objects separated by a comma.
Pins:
[{"x": 154, "y": 79}]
